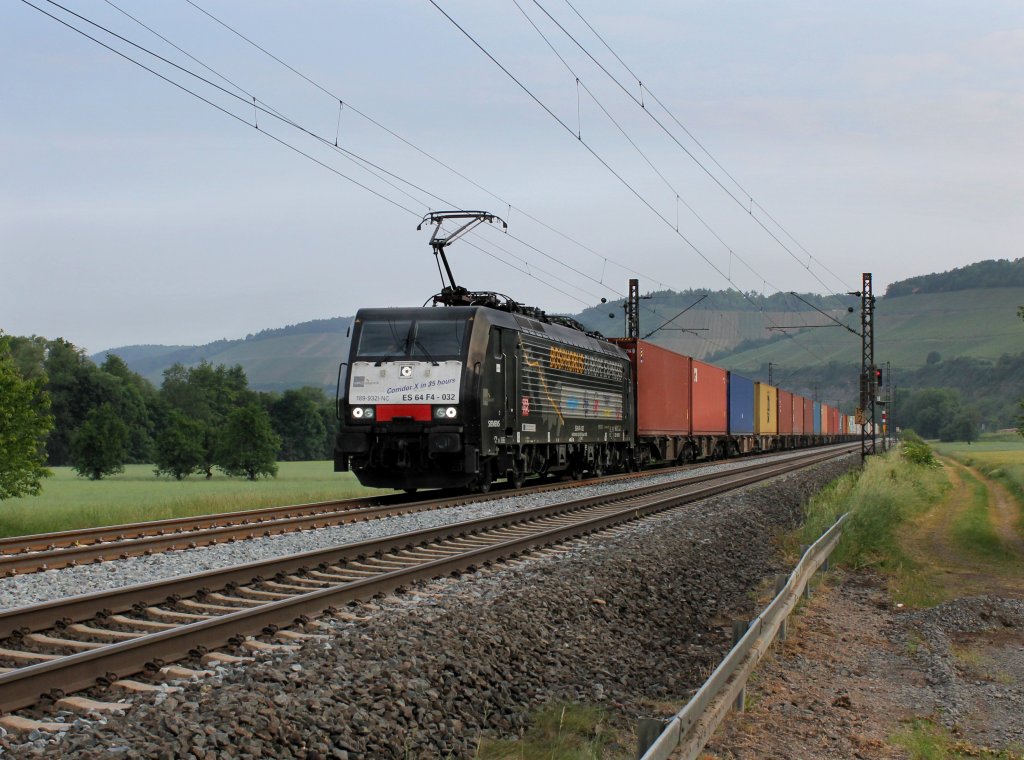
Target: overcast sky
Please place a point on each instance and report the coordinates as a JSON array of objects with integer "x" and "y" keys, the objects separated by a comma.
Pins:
[{"x": 884, "y": 137}]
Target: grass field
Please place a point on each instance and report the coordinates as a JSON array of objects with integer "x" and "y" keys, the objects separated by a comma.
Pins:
[{"x": 68, "y": 501}]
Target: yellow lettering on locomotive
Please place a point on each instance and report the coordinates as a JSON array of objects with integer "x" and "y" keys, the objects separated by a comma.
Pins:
[{"x": 563, "y": 359}]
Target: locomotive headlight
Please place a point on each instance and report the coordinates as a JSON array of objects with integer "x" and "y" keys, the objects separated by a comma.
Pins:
[
  {"x": 362, "y": 412},
  {"x": 368, "y": 413},
  {"x": 439, "y": 413},
  {"x": 450, "y": 412},
  {"x": 357, "y": 412}
]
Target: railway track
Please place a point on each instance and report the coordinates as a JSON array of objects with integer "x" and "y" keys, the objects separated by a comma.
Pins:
[
  {"x": 51, "y": 649},
  {"x": 28, "y": 554}
]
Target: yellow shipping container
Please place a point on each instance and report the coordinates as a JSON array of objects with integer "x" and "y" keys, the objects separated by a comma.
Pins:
[{"x": 766, "y": 408}]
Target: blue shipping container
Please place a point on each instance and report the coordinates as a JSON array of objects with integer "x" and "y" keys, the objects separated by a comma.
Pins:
[
  {"x": 741, "y": 405},
  {"x": 817, "y": 418}
]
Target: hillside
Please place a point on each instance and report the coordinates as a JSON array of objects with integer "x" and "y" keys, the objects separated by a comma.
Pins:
[
  {"x": 981, "y": 324},
  {"x": 932, "y": 330},
  {"x": 288, "y": 357}
]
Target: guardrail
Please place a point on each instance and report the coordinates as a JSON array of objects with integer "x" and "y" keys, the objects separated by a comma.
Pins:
[{"x": 684, "y": 736}]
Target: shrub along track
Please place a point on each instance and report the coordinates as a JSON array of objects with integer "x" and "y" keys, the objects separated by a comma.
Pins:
[
  {"x": 68, "y": 644},
  {"x": 47, "y": 551}
]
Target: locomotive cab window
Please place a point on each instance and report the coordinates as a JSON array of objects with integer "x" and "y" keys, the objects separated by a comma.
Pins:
[
  {"x": 384, "y": 338},
  {"x": 423, "y": 339},
  {"x": 438, "y": 339}
]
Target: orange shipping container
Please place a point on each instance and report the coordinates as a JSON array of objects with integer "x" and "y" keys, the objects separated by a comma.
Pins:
[{"x": 766, "y": 409}]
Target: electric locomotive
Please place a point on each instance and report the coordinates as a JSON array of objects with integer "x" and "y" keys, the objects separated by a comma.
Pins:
[
  {"x": 459, "y": 396},
  {"x": 481, "y": 389}
]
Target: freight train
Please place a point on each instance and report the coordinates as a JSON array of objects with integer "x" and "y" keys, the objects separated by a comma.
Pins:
[{"x": 458, "y": 397}]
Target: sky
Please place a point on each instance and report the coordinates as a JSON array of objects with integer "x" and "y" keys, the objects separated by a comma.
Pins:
[{"x": 788, "y": 145}]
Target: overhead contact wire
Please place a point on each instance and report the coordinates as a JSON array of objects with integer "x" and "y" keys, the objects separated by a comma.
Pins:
[
  {"x": 604, "y": 163},
  {"x": 671, "y": 136}
]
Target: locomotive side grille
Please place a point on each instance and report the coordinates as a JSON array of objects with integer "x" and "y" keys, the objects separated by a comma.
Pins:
[{"x": 557, "y": 382}]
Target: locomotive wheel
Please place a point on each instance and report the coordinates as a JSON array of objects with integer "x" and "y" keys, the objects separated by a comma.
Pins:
[
  {"x": 516, "y": 478},
  {"x": 482, "y": 484}
]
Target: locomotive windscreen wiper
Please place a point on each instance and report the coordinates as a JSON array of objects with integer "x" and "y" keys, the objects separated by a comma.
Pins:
[{"x": 426, "y": 353}]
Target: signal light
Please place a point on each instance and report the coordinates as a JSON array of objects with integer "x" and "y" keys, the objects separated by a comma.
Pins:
[{"x": 878, "y": 378}]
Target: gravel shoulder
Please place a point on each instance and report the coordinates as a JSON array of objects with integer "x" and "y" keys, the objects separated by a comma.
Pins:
[{"x": 859, "y": 674}]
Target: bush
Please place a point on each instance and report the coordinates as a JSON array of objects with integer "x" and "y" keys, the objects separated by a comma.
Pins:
[
  {"x": 889, "y": 490},
  {"x": 918, "y": 452}
]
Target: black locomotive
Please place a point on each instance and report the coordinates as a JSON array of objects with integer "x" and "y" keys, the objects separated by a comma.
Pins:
[{"x": 459, "y": 396}]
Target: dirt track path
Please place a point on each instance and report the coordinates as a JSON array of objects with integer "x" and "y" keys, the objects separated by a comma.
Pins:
[{"x": 1005, "y": 512}]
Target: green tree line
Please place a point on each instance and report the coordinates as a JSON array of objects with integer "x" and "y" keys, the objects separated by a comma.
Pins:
[
  {"x": 992, "y": 273},
  {"x": 60, "y": 408}
]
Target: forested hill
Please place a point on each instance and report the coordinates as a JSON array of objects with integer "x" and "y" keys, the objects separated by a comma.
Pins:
[
  {"x": 994, "y": 273},
  {"x": 285, "y": 357}
]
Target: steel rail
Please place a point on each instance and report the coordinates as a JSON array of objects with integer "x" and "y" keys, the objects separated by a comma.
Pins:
[
  {"x": 44, "y": 551},
  {"x": 23, "y": 686},
  {"x": 35, "y": 617}
]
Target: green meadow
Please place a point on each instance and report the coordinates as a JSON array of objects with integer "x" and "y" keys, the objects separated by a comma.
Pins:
[{"x": 68, "y": 501}]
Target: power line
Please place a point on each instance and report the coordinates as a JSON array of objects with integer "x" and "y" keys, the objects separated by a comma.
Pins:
[
  {"x": 689, "y": 153},
  {"x": 254, "y": 125},
  {"x": 419, "y": 150},
  {"x": 605, "y": 259},
  {"x": 207, "y": 101},
  {"x": 601, "y": 160},
  {"x": 636, "y": 147}
]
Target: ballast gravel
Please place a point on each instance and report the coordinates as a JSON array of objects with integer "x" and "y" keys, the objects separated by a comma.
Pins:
[
  {"x": 619, "y": 620},
  {"x": 20, "y": 591}
]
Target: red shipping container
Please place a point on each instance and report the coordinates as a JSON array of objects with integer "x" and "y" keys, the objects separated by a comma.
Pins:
[
  {"x": 836, "y": 427},
  {"x": 662, "y": 388},
  {"x": 709, "y": 396},
  {"x": 808, "y": 416},
  {"x": 826, "y": 419},
  {"x": 785, "y": 412},
  {"x": 798, "y": 414}
]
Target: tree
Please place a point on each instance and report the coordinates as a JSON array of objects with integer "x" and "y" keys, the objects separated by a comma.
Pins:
[
  {"x": 207, "y": 394},
  {"x": 961, "y": 428},
  {"x": 100, "y": 446},
  {"x": 934, "y": 357},
  {"x": 77, "y": 386},
  {"x": 247, "y": 444},
  {"x": 927, "y": 411},
  {"x": 25, "y": 420},
  {"x": 296, "y": 417},
  {"x": 181, "y": 446}
]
